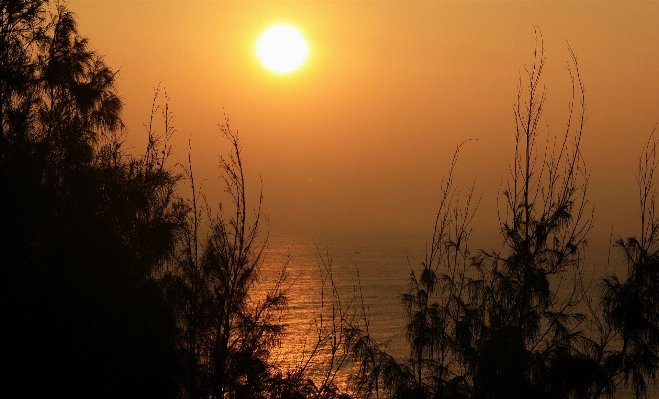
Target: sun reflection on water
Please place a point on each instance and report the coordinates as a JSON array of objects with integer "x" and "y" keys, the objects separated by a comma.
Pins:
[{"x": 376, "y": 263}]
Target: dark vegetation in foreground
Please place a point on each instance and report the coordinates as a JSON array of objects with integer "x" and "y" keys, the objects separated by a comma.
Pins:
[{"x": 110, "y": 289}]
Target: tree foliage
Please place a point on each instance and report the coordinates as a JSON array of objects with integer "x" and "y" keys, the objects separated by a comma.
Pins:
[
  {"x": 83, "y": 226},
  {"x": 227, "y": 331},
  {"x": 521, "y": 322},
  {"x": 630, "y": 304}
]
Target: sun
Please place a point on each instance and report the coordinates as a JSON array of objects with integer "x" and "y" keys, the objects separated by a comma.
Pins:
[{"x": 282, "y": 48}]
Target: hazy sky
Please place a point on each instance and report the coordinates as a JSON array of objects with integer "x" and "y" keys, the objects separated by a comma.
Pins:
[{"x": 361, "y": 136}]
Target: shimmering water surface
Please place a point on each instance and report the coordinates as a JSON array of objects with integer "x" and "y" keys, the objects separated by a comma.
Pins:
[
  {"x": 376, "y": 263},
  {"x": 371, "y": 265}
]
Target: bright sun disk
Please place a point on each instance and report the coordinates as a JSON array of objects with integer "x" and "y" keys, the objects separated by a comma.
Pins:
[{"x": 282, "y": 48}]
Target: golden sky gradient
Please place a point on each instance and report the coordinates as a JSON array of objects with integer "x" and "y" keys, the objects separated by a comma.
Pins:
[{"x": 361, "y": 136}]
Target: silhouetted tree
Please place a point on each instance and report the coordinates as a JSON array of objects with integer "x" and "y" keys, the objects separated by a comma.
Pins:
[
  {"x": 83, "y": 226},
  {"x": 526, "y": 335},
  {"x": 229, "y": 320},
  {"x": 495, "y": 326},
  {"x": 227, "y": 330},
  {"x": 629, "y": 341}
]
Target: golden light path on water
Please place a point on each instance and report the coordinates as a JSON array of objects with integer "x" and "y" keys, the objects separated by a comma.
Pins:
[
  {"x": 382, "y": 260},
  {"x": 383, "y": 272}
]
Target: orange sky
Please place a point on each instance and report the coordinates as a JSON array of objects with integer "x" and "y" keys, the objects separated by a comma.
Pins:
[{"x": 362, "y": 135}]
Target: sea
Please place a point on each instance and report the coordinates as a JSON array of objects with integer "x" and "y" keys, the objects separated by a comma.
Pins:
[
  {"x": 365, "y": 272},
  {"x": 362, "y": 273}
]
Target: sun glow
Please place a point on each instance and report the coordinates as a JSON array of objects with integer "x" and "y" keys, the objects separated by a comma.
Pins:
[{"x": 282, "y": 48}]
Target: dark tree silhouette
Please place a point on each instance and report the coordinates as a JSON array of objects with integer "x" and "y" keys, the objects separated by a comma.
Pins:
[
  {"x": 523, "y": 322},
  {"x": 495, "y": 326},
  {"x": 83, "y": 227},
  {"x": 229, "y": 319},
  {"x": 630, "y": 306},
  {"x": 227, "y": 330}
]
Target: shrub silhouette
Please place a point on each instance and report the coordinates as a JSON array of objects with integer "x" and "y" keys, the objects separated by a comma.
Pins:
[
  {"x": 227, "y": 333},
  {"x": 229, "y": 327}
]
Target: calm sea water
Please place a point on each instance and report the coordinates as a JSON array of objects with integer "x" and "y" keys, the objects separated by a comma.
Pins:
[
  {"x": 370, "y": 266},
  {"x": 374, "y": 266}
]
